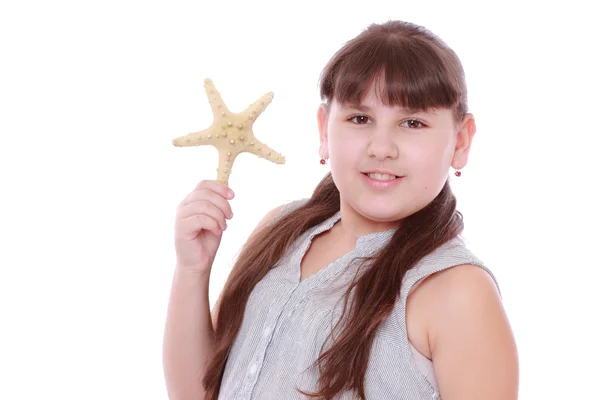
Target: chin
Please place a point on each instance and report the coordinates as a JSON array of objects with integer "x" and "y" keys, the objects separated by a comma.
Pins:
[
  {"x": 379, "y": 209},
  {"x": 378, "y": 215}
]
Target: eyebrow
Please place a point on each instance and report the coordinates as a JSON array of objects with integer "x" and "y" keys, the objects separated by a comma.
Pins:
[{"x": 365, "y": 108}]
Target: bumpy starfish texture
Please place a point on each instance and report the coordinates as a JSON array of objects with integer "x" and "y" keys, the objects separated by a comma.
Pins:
[{"x": 231, "y": 133}]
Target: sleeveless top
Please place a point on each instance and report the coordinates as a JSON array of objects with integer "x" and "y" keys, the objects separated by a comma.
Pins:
[{"x": 286, "y": 322}]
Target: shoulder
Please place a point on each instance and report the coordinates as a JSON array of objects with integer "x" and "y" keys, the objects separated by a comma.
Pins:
[
  {"x": 472, "y": 345},
  {"x": 447, "y": 260},
  {"x": 292, "y": 205},
  {"x": 453, "y": 293},
  {"x": 282, "y": 210},
  {"x": 279, "y": 212},
  {"x": 459, "y": 283}
]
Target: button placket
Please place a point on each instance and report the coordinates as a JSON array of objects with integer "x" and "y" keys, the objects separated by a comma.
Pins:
[
  {"x": 297, "y": 299},
  {"x": 272, "y": 321}
]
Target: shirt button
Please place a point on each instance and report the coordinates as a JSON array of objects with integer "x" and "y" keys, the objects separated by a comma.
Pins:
[{"x": 253, "y": 368}]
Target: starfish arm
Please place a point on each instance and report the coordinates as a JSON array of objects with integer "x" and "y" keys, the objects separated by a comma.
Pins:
[
  {"x": 200, "y": 138},
  {"x": 255, "y": 109},
  {"x": 226, "y": 159},
  {"x": 214, "y": 99},
  {"x": 262, "y": 150}
]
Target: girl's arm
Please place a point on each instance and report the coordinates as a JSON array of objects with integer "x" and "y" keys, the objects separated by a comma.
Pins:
[
  {"x": 188, "y": 337},
  {"x": 188, "y": 341},
  {"x": 473, "y": 349}
]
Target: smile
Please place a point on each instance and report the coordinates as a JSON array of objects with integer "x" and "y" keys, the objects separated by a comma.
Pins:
[{"x": 381, "y": 181}]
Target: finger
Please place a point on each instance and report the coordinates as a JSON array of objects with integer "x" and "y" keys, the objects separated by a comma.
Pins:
[
  {"x": 195, "y": 223},
  {"x": 204, "y": 207},
  {"x": 216, "y": 186},
  {"x": 212, "y": 197}
]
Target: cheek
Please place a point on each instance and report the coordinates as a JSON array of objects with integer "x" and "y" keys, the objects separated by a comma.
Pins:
[
  {"x": 342, "y": 148},
  {"x": 346, "y": 157},
  {"x": 428, "y": 153}
]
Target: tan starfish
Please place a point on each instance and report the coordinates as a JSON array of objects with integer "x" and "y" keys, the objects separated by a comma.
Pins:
[{"x": 231, "y": 133}]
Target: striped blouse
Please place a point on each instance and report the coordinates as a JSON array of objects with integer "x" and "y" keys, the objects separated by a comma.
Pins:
[{"x": 287, "y": 321}]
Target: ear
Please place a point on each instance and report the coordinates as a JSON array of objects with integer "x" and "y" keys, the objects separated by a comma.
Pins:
[
  {"x": 322, "y": 119},
  {"x": 464, "y": 138}
]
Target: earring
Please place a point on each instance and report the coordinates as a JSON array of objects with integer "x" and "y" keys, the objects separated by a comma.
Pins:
[
  {"x": 457, "y": 172},
  {"x": 323, "y": 162}
]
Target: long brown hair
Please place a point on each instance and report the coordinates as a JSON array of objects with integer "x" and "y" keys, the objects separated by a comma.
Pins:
[{"x": 420, "y": 72}]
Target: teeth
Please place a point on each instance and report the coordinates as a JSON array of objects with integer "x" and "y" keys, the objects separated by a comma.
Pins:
[{"x": 382, "y": 177}]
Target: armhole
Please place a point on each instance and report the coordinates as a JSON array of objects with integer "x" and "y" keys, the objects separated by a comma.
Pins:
[
  {"x": 413, "y": 279},
  {"x": 400, "y": 317}
]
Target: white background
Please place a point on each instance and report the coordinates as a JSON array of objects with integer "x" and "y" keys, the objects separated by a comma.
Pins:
[{"x": 92, "y": 93}]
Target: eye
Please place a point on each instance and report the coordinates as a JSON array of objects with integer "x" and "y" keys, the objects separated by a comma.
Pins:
[
  {"x": 361, "y": 118},
  {"x": 415, "y": 121}
]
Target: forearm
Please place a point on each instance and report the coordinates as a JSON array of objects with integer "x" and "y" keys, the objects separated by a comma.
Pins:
[{"x": 188, "y": 336}]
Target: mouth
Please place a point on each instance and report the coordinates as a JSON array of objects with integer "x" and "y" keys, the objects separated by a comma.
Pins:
[
  {"x": 381, "y": 176},
  {"x": 381, "y": 181}
]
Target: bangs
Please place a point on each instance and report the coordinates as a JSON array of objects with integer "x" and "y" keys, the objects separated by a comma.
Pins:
[{"x": 405, "y": 73}]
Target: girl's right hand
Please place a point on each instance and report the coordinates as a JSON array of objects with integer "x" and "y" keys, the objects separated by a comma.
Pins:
[{"x": 199, "y": 224}]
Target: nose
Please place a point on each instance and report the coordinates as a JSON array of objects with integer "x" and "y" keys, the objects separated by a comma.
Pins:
[{"x": 382, "y": 145}]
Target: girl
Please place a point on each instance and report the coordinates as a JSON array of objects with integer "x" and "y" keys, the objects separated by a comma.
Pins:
[{"x": 364, "y": 290}]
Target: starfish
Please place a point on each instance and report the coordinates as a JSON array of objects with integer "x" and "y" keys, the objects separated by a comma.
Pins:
[{"x": 231, "y": 133}]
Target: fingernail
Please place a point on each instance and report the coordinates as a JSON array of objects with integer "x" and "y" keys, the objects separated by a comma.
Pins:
[{"x": 230, "y": 194}]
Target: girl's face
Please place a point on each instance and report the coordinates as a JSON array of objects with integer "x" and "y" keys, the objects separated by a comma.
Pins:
[{"x": 416, "y": 147}]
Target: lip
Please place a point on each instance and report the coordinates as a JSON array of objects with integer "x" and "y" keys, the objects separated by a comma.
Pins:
[
  {"x": 380, "y": 171},
  {"x": 381, "y": 185}
]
